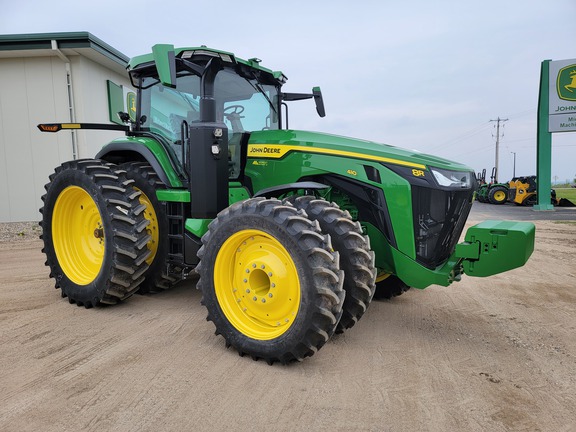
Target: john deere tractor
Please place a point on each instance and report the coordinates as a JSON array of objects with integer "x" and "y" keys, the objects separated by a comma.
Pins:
[
  {"x": 493, "y": 192},
  {"x": 292, "y": 233}
]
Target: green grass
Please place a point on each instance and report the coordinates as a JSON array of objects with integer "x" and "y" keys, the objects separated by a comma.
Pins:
[
  {"x": 565, "y": 222},
  {"x": 568, "y": 193}
]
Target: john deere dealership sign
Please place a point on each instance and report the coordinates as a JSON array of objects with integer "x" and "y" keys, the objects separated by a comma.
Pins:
[{"x": 562, "y": 105}]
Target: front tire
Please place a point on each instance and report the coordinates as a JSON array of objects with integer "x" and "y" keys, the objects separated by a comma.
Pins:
[
  {"x": 94, "y": 233},
  {"x": 270, "y": 281},
  {"x": 356, "y": 258}
]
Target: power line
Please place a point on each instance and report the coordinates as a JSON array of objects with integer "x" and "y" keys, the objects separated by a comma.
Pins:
[
  {"x": 468, "y": 134},
  {"x": 469, "y": 152}
]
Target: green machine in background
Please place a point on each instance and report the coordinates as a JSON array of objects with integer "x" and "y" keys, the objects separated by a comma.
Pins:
[
  {"x": 292, "y": 232},
  {"x": 493, "y": 192}
]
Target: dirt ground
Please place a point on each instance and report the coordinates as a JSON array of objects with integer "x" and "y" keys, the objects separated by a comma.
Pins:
[{"x": 494, "y": 354}]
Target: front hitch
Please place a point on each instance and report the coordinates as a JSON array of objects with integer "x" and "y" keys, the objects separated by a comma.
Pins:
[{"x": 493, "y": 247}]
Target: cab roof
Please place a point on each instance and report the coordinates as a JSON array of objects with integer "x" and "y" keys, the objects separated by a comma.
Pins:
[{"x": 225, "y": 56}]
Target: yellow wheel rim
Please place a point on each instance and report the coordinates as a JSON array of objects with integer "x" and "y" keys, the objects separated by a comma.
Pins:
[
  {"x": 382, "y": 276},
  {"x": 152, "y": 229},
  {"x": 257, "y": 285},
  {"x": 78, "y": 235},
  {"x": 499, "y": 196}
]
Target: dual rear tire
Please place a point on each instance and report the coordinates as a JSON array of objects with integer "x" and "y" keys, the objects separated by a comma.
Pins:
[{"x": 94, "y": 233}]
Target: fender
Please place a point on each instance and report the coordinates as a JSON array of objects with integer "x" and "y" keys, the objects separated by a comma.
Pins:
[
  {"x": 142, "y": 150},
  {"x": 128, "y": 149}
]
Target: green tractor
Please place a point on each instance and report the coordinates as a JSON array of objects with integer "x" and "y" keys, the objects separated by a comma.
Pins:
[
  {"x": 493, "y": 192},
  {"x": 292, "y": 233}
]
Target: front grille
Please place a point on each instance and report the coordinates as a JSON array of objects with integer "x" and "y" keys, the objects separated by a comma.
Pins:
[{"x": 439, "y": 218}]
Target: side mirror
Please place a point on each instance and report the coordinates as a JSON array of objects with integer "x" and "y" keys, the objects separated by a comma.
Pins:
[
  {"x": 319, "y": 101},
  {"x": 316, "y": 94},
  {"x": 165, "y": 60}
]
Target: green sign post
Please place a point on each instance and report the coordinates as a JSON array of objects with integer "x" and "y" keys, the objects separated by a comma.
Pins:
[
  {"x": 556, "y": 113},
  {"x": 544, "y": 146}
]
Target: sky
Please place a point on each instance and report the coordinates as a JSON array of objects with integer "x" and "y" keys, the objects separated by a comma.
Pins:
[{"x": 431, "y": 76}]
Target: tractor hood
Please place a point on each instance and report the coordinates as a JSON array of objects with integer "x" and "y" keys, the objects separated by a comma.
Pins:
[{"x": 275, "y": 144}]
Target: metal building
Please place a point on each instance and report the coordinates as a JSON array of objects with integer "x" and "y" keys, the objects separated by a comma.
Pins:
[{"x": 47, "y": 78}]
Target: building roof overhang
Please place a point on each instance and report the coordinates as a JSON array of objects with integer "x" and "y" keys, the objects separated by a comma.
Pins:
[{"x": 69, "y": 44}]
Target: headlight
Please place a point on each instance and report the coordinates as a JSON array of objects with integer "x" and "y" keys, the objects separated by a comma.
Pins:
[{"x": 452, "y": 179}]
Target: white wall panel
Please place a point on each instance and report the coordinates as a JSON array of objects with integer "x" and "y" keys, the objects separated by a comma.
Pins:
[
  {"x": 27, "y": 97},
  {"x": 34, "y": 90}
]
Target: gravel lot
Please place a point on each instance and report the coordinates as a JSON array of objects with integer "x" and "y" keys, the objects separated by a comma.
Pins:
[
  {"x": 17, "y": 231},
  {"x": 494, "y": 354}
]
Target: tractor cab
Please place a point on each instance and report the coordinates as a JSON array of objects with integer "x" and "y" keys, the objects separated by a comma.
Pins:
[
  {"x": 205, "y": 86},
  {"x": 196, "y": 86}
]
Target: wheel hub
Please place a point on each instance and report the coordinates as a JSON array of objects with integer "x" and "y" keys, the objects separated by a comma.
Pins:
[{"x": 99, "y": 233}]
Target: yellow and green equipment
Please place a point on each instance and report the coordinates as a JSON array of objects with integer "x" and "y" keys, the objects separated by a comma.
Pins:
[{"x": 291, "y": 232}]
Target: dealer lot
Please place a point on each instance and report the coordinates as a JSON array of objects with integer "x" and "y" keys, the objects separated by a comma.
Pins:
[{"x": 494, "y": 354}]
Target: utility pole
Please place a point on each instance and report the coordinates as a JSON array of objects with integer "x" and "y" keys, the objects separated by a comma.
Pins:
[{"x": 498, "y": 120}]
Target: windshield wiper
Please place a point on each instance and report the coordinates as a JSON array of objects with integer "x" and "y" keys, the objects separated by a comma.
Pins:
[{"x": 256, "y": 85}]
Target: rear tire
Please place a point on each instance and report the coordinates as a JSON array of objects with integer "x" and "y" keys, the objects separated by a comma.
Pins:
[
  {"x": 480, "y": 194},
  {"x": 270, "y": 281},
  {"x": 94, "y": 233},
  {"x": 356, "y": 258},
  {"x": 157, "y": 278},
  {"x": 498, "y": 195}
]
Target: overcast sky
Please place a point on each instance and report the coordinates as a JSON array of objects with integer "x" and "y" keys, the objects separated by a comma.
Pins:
[{"x": 425, "y": 75}]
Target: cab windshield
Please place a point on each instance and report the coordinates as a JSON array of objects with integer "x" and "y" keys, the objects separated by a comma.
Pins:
[{"x": 243, "y": 104}]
